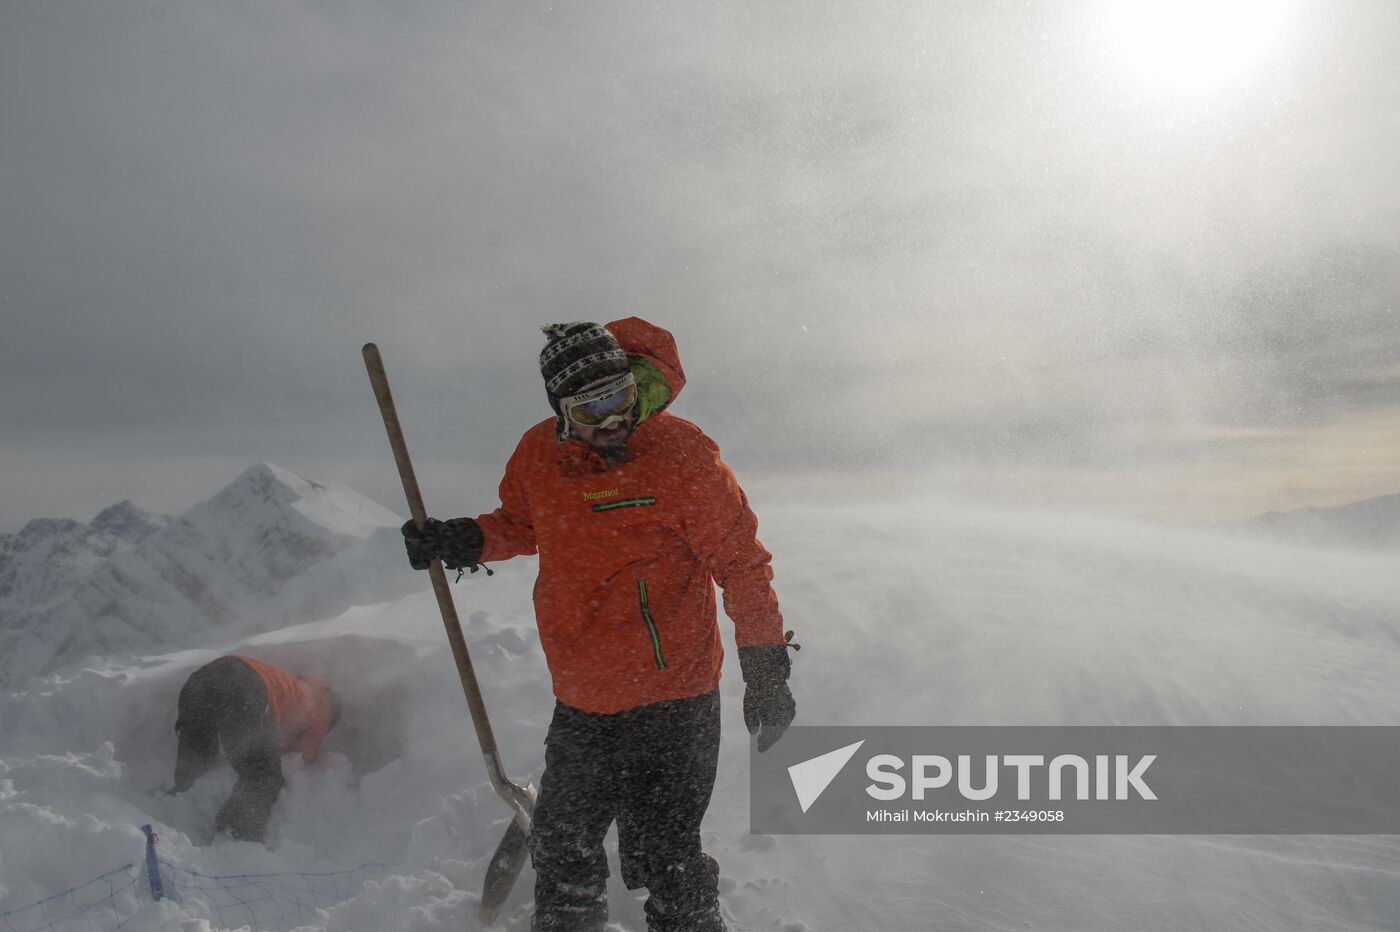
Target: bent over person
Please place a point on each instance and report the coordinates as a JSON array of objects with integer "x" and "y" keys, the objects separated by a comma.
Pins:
[
  {"x": 635, "y": 518},
  {"x": 257, "y": 713}
]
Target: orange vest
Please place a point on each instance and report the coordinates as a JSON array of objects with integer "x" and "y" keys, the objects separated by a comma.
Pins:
[
  {"x": 630, "y": 554},
  {"x": 300, "y": 705}
]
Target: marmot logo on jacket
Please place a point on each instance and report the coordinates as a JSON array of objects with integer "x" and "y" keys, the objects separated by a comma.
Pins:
[{"x": 606, "y": 493}]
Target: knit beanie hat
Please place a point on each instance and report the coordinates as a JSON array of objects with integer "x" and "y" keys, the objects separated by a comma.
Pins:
[{"x": 577, "y": 357}]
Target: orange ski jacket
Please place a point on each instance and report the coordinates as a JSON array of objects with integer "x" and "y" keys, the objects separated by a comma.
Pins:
[
  {"x": 629, "y": 554},
  {"x": 300, "y": 705}
]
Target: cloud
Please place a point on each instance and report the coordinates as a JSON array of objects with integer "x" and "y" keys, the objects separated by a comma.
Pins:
[{"x": 900, "y": 234}]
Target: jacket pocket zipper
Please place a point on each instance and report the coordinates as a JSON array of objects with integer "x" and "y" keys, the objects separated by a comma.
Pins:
[{"x": 651, "y": 624}]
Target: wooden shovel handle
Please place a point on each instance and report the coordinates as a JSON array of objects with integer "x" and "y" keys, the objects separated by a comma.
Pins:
[{"x": 374, "y": 363}]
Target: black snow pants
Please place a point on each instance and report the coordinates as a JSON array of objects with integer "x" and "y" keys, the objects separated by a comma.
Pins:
[
  {"x": 651, "y": 769},
  {"x": 225, "y": 703}
]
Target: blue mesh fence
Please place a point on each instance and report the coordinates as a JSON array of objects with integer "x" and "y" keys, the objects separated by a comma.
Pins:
[
  {"x": 114, "y": 899},
  {"x": 270, "y": 901},
  {"x": 110, "y": 901}
]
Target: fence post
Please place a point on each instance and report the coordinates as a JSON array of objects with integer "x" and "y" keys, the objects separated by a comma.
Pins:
[{"x": 153, "y": 865}]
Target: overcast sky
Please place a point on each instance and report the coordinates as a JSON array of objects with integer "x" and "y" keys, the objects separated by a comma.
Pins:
[{"x": 1023, "y": 248}]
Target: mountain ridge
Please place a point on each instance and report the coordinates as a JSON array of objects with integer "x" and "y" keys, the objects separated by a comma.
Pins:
[
  {"x": 269, "y": 548},
  {"x": 1369, "y": 523},
  {"x": 39, "y": 564}
]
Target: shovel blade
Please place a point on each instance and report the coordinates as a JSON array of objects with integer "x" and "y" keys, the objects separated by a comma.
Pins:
[{"x": 502, "y": 872}]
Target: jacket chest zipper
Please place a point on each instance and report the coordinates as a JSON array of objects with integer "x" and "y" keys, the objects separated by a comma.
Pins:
[
  {"x": 651, "y": 624},
  {"x": 625, "y": 503}
]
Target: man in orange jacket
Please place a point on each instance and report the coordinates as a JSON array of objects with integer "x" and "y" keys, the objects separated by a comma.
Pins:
[
  {"x": 257, "y": 712},
  {"x": 635, "y": 518}
]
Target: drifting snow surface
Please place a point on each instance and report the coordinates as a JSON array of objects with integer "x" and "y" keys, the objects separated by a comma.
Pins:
[{"x": 920, "y": 614}]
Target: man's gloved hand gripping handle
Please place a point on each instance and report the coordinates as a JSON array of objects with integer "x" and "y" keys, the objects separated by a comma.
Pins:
[{"x": 457, "y": 543}]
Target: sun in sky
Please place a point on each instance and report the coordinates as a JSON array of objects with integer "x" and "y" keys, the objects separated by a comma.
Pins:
[{"x": 1195, "y": 45}]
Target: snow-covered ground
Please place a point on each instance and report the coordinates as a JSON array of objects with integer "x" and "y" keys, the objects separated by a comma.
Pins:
[{"x": 923, "y": 613}]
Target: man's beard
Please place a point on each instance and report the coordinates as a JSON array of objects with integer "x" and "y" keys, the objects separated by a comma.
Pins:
[
  {"x": 612, "y": 447},
  {"x": 613, "y": 453}
]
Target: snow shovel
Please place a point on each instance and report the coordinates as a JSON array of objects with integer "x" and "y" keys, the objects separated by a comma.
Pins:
[{"x": 511, "y": 852}]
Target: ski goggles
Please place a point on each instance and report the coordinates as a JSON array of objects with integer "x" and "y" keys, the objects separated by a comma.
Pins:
[{"x": 601, "y": 406}]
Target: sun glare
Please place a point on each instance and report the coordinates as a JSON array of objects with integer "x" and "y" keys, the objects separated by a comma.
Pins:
[{"x": 1195, "y": 45}]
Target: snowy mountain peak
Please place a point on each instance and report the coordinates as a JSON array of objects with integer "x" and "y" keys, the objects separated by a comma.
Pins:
[
  {"x": 125, "y": 520},
  {"x": 50, "y": 557},
  {"x": 267, "y": 493},
  {"x": 1370, "y": 524},
  {"x": 41, "y": 528},
  {"x": 265, "y": 480},
  {"x": 270, "y": 548}
]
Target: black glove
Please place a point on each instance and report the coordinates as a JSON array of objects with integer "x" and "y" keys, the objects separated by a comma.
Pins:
[
  {"x": 457, "y": 543},
  {"x": 768, "y": 703}
]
